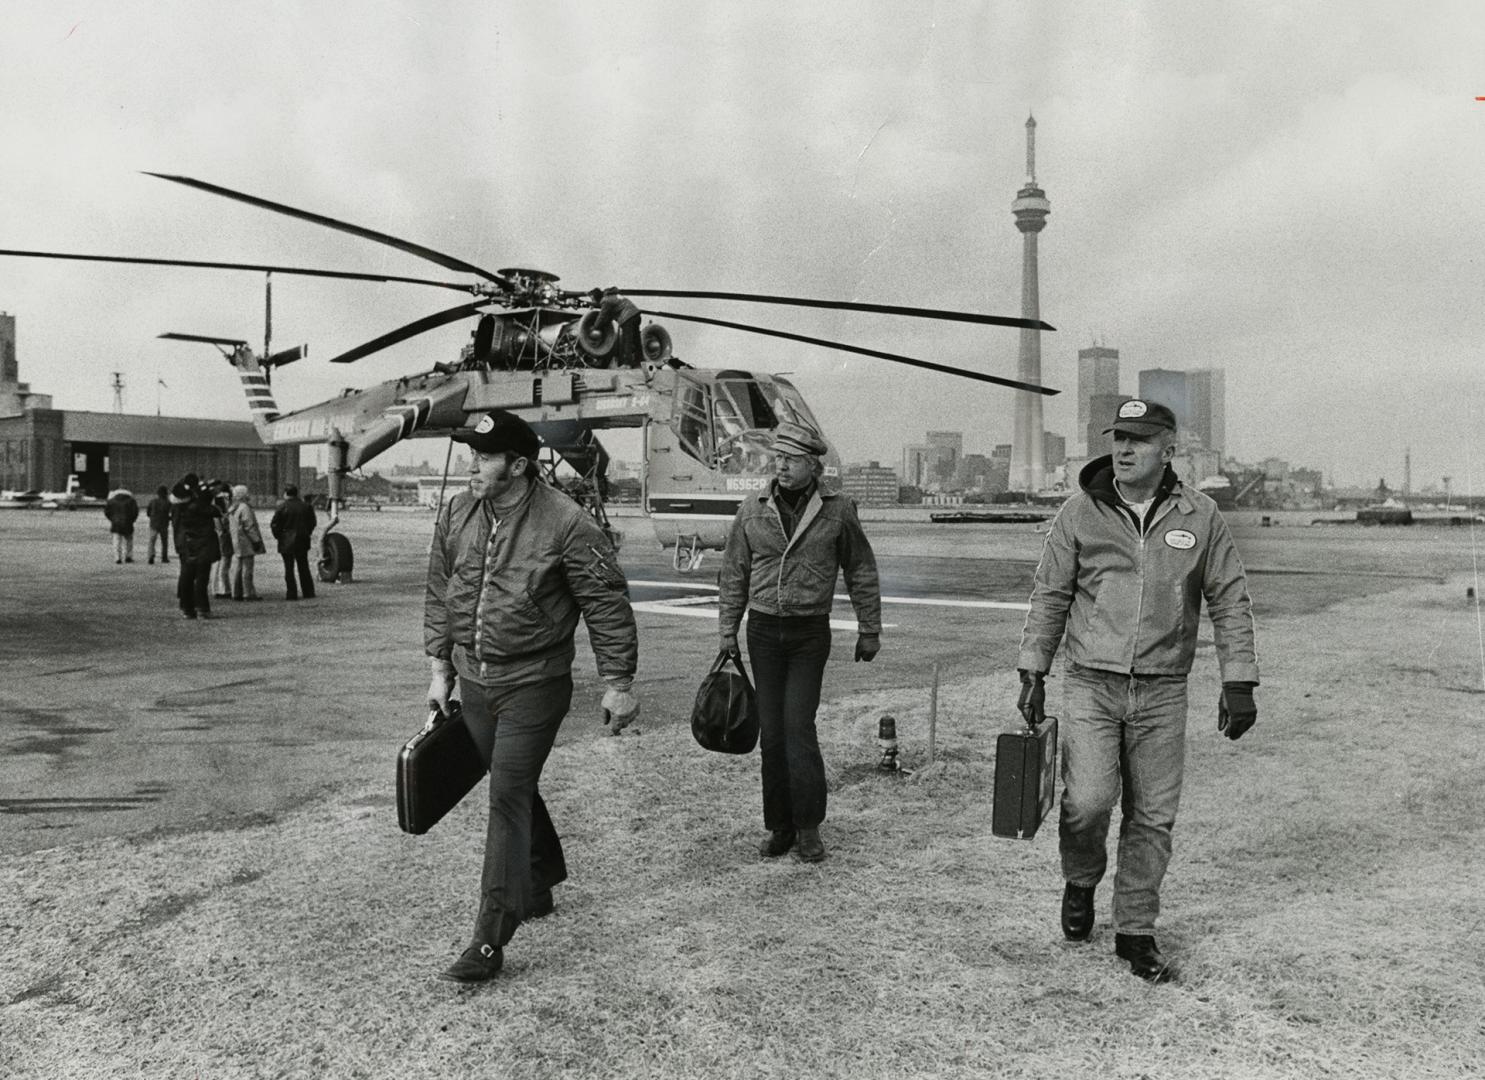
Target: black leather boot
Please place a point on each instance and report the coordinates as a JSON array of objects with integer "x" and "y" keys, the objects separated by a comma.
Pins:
[
  {"x": 1077, "y": 912},
  {"x": 811, "y": 847},
  {"x": 778, "y": 842},
  {"x": 1144, "y": 957}
]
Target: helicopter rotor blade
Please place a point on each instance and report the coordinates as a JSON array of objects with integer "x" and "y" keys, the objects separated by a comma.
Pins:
[
  {"x": 928, "y": 364},
  {"x": 447, "y": 261},
  {"x": 412, "y": 329},
  {"x": 209, "y": 340},
  {"x": 849, "y": 305},
  {"x": 258, "y": 267}
]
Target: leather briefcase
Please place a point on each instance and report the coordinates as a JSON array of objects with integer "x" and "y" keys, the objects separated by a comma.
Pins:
[
  {"x": 1025, "y": 779},
  {"x": 435, "y": 770}
]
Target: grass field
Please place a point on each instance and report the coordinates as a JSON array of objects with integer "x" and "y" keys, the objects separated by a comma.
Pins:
[{"x": 1324, "y": 903}]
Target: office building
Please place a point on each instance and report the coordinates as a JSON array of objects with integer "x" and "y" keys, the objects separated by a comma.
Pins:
[{"x": 1098, "y": 373}]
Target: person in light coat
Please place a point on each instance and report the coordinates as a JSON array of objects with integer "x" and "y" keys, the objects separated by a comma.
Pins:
[{"x": 247, "y": 542}]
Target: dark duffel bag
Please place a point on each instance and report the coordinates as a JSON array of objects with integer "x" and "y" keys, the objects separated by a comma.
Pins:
[
  {"x": 725, "y": 718},
  {"x": 435, "y": 770}
]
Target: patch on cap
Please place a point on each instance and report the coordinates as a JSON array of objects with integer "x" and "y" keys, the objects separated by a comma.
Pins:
[
  {"x": 1131, "y": 409},
  {"x": 485, "y": 426}
]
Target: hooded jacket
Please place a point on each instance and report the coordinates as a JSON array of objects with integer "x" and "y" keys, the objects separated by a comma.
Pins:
[
  {"x": 122, "y": 511},
  {"x": 767, "y": 571},
  {"x": 510, "y": 590},
  {"x": 1125, "y": 597}
]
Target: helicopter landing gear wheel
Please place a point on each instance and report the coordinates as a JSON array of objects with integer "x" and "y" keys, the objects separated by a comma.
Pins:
[{"x": 336, "y": 558}]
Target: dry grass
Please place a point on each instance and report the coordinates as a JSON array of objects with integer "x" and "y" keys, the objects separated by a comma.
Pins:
[{"x": 1324, "y": 904}]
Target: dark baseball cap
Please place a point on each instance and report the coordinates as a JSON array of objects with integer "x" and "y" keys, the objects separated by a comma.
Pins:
[
  {"x": 499, "y": 431},
  {"x": 1139, "y": 417}
]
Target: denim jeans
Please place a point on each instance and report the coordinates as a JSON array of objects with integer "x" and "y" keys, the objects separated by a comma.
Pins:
[
  {"x": 163, "y": 536},
  {"x": 514, "y": 728},
  {"x": 1124, "y": 740},
  {"x": 788, "y": 654}
]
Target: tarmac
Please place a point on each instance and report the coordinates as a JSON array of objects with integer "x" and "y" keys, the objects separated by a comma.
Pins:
[{"x": 120, "y": 718}]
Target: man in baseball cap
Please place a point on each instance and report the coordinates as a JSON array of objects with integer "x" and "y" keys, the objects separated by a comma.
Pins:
[
  {"x": 513, "y": 565},
  {"x": 500, "y": 431},
  {"x": 1128, "y": 562},
  {"x": 1142, "y": 418}
]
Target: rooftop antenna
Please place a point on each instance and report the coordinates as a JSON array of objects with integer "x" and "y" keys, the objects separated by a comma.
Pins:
[{"x": 118, "y": 392}]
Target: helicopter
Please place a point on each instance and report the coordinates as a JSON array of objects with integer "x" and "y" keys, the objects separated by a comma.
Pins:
[{"x": 571, "y": 363}]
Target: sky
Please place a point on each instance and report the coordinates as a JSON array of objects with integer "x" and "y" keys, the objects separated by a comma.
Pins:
[{"x": 1289, "y": 191}]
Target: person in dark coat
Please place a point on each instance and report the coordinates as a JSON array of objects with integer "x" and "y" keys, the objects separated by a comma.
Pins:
[
  {"x": 122, "y": 511},
  {"x": 292, "y": 525},
  {"x": 158, "y": 513},
  {"x": 196, "y": 545}
]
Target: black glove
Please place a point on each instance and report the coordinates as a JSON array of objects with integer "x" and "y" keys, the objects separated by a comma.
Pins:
[
  {"x": 1033, "y": 703},
  {"x": 867, "y": 646},
  {"x": 1236, "y": 711}
]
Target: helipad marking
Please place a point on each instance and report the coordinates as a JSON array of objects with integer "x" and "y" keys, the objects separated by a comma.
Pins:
[
  {"x": 921, "y": 601},
  {"x": 688, "y": 608}
]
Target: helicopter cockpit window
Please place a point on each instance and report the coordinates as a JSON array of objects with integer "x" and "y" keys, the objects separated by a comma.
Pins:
[
  {"x": 693, "y": 423},
  {"x": 788, "y": 403}
]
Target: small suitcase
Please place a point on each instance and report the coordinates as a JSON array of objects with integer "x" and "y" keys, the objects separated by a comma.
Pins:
[
  {"x": 1025, "y": 779},
  {"x": 435, "y": 770}
]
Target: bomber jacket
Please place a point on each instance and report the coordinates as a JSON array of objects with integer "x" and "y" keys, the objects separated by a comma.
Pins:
[
  {"x": 765, "y": 571},
  {"x": 509, "y": 590},
  {"x": 1128, "y": 598}
]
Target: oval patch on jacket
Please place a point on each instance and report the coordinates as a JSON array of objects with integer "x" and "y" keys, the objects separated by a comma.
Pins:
[{"x": 1180, "y": 539}]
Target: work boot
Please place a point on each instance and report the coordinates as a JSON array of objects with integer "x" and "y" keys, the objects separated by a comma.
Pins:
[
  {"x": 1077, "y": 912},
  {"x": 778, "y": 842},
  {"x": 810, "y": 847},
  {"x": 1144, "y": 957}
]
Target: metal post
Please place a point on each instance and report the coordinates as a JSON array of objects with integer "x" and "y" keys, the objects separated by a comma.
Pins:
[{"x": 933, "y": 715}]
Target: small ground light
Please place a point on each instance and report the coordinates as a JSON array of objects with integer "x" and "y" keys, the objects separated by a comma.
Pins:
[{"x": 887, "y": 740}]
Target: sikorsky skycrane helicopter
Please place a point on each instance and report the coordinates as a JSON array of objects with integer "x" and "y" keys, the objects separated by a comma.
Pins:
[{"x": 571, "y": 363}]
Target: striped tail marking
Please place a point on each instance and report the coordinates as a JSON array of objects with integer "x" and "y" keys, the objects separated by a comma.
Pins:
[{"x": 260, "y": 397}]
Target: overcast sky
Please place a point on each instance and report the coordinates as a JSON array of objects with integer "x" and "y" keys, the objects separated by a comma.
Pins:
[{"x": 1290, "y": 191}]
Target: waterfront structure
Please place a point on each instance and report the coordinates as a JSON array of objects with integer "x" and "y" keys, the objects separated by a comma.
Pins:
[
  {"x": 870, "y": 484},
  {"x": 1028, "y": 470}
]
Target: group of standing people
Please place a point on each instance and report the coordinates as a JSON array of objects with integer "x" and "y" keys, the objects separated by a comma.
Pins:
[
  {"x": 217, "y": 538},
  {"x": 1118, "y": 590}
]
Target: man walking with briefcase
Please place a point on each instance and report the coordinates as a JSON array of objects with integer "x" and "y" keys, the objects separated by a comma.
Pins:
[
  {"x": 1126, "y": 565},
  {"x": 513, "y": 564}
]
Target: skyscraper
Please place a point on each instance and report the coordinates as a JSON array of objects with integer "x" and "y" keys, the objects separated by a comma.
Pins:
[
  {"x": 1170, "y": 389},
  {"x": 1206, "y": 392},
  {"x": 1098, "y": 373},
  {"x": 1028, "y": 473}
]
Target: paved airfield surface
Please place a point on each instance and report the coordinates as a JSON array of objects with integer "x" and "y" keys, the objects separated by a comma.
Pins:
[{"x": 118, "y": 717}]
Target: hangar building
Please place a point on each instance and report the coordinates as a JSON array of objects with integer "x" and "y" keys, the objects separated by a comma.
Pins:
[{"x": 40, "y": 447}]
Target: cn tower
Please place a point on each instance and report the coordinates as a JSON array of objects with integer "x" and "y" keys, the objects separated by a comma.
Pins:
[{"x": 1031, "y": 208}]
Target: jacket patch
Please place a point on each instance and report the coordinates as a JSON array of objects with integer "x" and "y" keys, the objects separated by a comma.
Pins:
[
  {"x": 1180, "y": 539},
  {"x": 605, "y": 571}
]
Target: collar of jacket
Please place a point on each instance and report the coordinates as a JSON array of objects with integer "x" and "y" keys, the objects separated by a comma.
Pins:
[
  {"x": 807, "y": 513},
  {"x": 1097, "y": 479}
]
